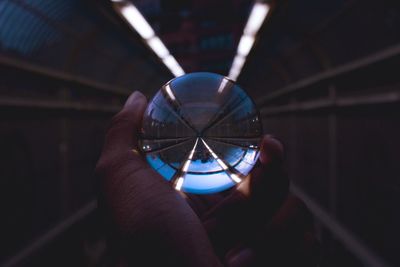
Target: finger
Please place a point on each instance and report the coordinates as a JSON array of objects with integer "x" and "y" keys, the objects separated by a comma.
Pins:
[
  {"x": 271, "y": 157},
  {"x": 240, "y": 257},
  {"x": 123, "y": 132},
  {"x": 267, "y": 176},
  {"x": 268, "y": 181},
  {"x": 289, "y": 232},
  {"x": 271, "y": 150},
  {"x": 121, "y": 138},
  {"x": 253, "y": 205}
]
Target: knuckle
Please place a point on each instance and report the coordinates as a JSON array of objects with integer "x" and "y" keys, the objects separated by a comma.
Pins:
[
  {"x": 119, "y": 118},
  {"x": 102, "y": 166},
  {"x": 123, "y": 119},
  {"x": 110, "y": 163}
]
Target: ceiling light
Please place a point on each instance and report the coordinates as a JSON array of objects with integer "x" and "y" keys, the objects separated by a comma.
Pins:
[
  {"x": 173, "y": 66},
  {"x": 158, "y": 47},
  {"x": 179, "y": 183},
  {"x": 137, "y": 21},
  {"x": 237, "y": 66},
  {"x": 245, "y": 45},
  {"x": 222, "y": 85},
  {"x": 169, "y": 92},
  {"x": 235, "y": 178},
  {"x": 256, "y": 18}
]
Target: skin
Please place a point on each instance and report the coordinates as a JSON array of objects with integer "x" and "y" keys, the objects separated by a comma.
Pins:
[{"x": 151, "y": 223}]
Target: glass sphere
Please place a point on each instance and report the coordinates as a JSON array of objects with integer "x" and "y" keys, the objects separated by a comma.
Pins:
[{"x": 201, "y": 132}]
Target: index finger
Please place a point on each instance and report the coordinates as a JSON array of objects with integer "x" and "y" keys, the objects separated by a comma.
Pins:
[{"x": 256, "y": 199}]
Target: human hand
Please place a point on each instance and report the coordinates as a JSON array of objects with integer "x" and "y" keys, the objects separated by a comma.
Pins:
[{"x": 152, "y": 222}]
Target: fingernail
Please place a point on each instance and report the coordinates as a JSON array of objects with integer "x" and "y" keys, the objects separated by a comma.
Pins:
[{"x": 135, "y": 95}]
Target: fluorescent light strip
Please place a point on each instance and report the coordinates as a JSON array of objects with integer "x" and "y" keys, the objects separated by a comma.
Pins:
[
  {"x": 222, "y": 85},
  {"x": 245, "y": 45},
  {"x": 220, "y": 162},
  {"x": 179, "y": 183},
  {"x": 169, "y": 92},
  {"x": 233, "y": 176},
  {"x": 173, "y": 65},
  {"x": 194, "y": 149},
  {"x": 256, "y": 18},
  {"x": 191, "y": 154},
  {"x": 158, "y": 47},
  {"x": 187, "y": 163},
  {"x": 223, "y": 165},
  {"x": 237, "y": 65},
  {"x": 210, "y": 150},
  {"x": 135, "y": 19},
  {"x": 207, "y": 146},
  {"x": 185, "y": 167}
]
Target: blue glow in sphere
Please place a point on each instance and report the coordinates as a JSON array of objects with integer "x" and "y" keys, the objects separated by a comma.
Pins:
[{"x": 201, "y": 132}]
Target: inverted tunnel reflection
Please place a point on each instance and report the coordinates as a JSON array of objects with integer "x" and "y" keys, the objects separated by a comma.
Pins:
[{"x": 201, "y": 132}]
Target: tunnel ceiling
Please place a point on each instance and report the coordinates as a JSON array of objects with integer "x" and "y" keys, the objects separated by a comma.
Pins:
[
  {"x": 303, "y": 38},
  {"x": 299, "y": 39},
  {"x": 76, "y": 40},
  {"x": 201, "y": 34}
]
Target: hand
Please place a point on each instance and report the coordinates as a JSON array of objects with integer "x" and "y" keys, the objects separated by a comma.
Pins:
[{"x": 152, "y": 223}]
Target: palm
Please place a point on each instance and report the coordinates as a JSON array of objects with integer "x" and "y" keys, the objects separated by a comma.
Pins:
[{"x": 192, "y": 230}]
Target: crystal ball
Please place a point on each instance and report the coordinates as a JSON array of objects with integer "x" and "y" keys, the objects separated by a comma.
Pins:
[{"x": 201, "y": 132}]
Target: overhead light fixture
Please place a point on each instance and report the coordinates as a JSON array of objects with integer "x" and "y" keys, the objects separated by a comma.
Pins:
[
  {"x": 186, "y": 166},
  {"x": 180, "y": 180},
  {"x": 235, "y": 178},
  {"x": 237, "y": 66},
  {"x": 238, "y": 62},
  {"x": 158, "y": 47},
  {"x": 169, "y": 92},
  {"x": 256, "y": 18},
  {"x": 245, "y": 45},
  {"x": 173, "y": 65},
  {"x": 179, "y": 183},
  {"x": 222, "y": 85},
  {"x": 136, "y": 20}
]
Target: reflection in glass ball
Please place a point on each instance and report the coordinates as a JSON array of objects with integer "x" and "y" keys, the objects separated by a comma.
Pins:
[{"x": 201, "y": 132}]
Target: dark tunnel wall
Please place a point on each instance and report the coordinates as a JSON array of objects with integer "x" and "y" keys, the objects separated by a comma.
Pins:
[
  {"x": 323, "y": 73},
  {"x": 65, "y": 68},
  {"x": 329, "y": 88}
]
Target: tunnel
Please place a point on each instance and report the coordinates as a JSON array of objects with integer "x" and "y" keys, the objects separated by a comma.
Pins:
[{"x": 323, "y": 75}]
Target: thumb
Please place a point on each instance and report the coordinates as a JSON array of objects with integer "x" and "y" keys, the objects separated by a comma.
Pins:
[{"x": 122, "y": 134}]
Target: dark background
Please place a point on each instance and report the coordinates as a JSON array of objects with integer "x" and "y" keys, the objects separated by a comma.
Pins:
[{"x": 324, "y": 74}]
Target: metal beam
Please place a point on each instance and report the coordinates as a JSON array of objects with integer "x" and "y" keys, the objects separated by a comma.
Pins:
[
  {"x": 340, "y": 232},
  {"x": 51, "y": 235},
  {"x": 345, "y": 102},
  {"x": 61, "y": 76},
  {"x": 332, "y": 73},
  {"x": 7, "y": 102}
]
